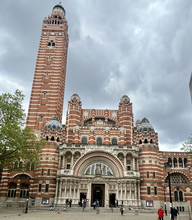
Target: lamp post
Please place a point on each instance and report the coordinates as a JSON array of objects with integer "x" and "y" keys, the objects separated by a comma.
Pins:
[
  {"x": 167, "y": 165},
  {"x": 26, "y": 210},
  {"x": 165, "y": 200}
]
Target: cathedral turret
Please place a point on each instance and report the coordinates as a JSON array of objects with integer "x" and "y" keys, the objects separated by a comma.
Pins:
[{"x": 125, "y": 118}]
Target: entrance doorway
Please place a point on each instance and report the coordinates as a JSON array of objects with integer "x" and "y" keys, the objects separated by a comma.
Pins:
[
  {"x": 112, "y": 199},
  {"x": 98, "y": 193},
  {"x": 82, "y": 196}
]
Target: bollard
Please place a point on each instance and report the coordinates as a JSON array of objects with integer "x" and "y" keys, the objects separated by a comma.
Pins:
[
  {"x": 97, "y": 211},
  {"x": 59, "y": 211},
  {"x": 23, "y": 210},
  {"x": 136, "y": 212}
]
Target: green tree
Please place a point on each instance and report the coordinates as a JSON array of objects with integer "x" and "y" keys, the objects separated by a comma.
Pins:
[{"x": 17, "y": 143}]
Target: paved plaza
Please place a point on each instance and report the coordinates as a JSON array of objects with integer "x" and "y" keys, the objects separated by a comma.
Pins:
[{"x": 73, "y": 214}]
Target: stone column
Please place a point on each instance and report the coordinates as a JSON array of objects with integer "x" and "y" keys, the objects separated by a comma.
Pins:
[
  {"x": 125, "y": 164},
  {"x": 137, "y": 164},
  {"x": 133, "y": 163},
  {"x": 138, "y": 191},
  {"x": 63, "y": 161},
  {"x": 59, "y": 161},
  {"x": 70, "y": 190},
  {"x": 172, "y": 162},
  {"x": 183, "y": 162},
  {"x": 56, "y": 191},
  {"x": 135, "y": 190},
  {"x": 178, "y": 162},
  {"x": 60, "y": 188},
  {"x": 72, "y": 161}
]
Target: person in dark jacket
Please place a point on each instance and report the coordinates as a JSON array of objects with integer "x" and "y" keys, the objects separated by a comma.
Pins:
[
  {"x": 122, "y": 209},
  {"x": 174, "y": 213}
]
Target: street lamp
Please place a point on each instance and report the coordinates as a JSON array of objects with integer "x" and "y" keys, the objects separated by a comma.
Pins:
[
  {"x": 165, "y": 200},
  {"x": 167, "y": 165},
  {"x": 26, "y": 210}
]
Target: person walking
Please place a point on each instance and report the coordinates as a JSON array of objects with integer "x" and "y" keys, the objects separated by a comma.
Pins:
[
  {"x": 94, "y": 205},
  {"x": 122, "y": 209},
  {"x": 160, "y": 213},
  {"x": 70, "y": 202},
  {"x": 174, "y": 213}
]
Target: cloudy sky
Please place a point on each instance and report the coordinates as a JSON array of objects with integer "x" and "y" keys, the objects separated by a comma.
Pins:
[{"x": 134, "y": 47}]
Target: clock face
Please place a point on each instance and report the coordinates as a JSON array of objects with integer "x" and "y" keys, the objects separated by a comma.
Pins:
[{"x": 85, "y": 114}]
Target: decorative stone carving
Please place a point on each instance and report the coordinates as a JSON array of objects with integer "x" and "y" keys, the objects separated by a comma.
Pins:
[
  {"x": 98, "y": 179},
  {"x": 85, "y": 114},
  {"x": 114, "y": 114}
]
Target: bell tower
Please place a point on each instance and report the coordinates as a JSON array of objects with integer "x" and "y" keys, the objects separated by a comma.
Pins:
[{"x": 47, "y": 95}]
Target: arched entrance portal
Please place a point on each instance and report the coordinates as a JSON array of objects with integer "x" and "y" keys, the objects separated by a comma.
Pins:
[{"x": 98, "y": 193}]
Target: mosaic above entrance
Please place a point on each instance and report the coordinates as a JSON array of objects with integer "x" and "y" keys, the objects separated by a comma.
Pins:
[{"x": 98, "y": 169}]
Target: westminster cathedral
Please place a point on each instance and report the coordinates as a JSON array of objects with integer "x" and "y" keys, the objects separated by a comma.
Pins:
[{"x": 98, "y": 154}]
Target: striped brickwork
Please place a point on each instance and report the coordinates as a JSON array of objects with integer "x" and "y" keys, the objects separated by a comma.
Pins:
[{"x": 48, "y": 87}]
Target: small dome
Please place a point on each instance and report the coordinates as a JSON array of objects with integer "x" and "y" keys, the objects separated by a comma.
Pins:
[
  {"x": 53, "y": 123},
  {"x": 75, "y": 94},
  {"x": 145, "y": 126},
  {"x": 75, "y": 97},
  {"x": 60, "y": 8},
  {"x": 125, "y": 98}
]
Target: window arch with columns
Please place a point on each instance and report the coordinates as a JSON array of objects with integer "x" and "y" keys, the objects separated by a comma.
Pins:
[{"x": 178, "y": 194}]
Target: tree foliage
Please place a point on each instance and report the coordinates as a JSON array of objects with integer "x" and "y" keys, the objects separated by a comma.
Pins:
[
  {"x": 17, "y": 142},
  {"x": 187, "y": 146}
]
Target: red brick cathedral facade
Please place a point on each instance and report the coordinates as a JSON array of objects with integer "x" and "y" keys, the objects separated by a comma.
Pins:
[{"x": 98, "y": 154}]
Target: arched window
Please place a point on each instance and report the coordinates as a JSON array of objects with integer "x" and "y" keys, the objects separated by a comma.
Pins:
[
  {"x": 51, "y": 44},
  {"x": 180, "y": 162},
  {"x": 32, "y": 167},
  {"x": 181, "y": 196},
  {"x": 99, "y": 141},
  {"x": 174, "y": 162},
  {"x": 176, "y": 196},
  {"x": 12, "y": 190},
  {"x": 52, "y": 138},
  {"x": 140, "y": 141},
  {"x": 58, "y": 139},
  {"x": 151, "y": 141},
  {"x": 185, "y": 162},
  {"x": 20, "y": 165},
  {"x": 114, "y": 141},
  {"x": 145, "y": 141},
  {"x": 84, "y": 140},
  {"x": 24, "y": 191},
  {"x": 28, "y": 166},
  {"x": 47, "y": 138},
  {"x": 177, "y": 178}
]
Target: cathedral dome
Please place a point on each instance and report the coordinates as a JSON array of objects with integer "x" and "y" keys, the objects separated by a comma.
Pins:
[
  {"x": 145, "y": 126},
  {"x": 75, "y": 97},
  {"x": 125, "y": 98},
  {"x": 60, "y": 8},
  {"x": 53, "y": 123}
]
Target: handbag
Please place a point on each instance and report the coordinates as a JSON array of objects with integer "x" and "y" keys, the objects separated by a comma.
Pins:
[{"x": 123, "y": 209}]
